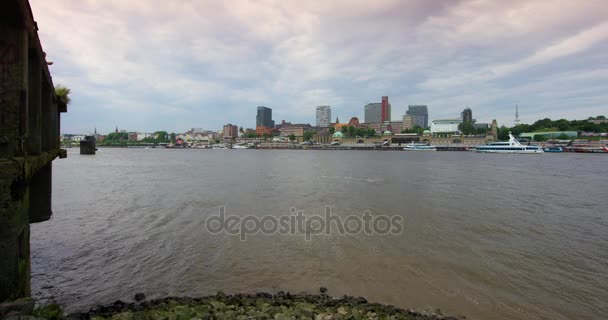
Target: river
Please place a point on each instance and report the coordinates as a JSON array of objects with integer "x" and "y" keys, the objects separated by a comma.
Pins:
[{"x": 483, "y": 235}]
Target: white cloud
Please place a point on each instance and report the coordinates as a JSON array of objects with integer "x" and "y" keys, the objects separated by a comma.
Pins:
[{"x": 225, "y": 58}]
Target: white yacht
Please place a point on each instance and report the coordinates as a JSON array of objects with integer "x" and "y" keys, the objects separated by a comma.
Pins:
[
  {"x": 513, "y": 146},
  {"x": 242, "y": 146},
  {"x": 419, "y": 147}
]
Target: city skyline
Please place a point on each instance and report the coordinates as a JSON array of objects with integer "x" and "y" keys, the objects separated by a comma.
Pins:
[{"x": 174, "y": 66}]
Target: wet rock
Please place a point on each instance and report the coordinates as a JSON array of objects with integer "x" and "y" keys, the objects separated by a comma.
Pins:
[
  {"x": 76, "y": 316},
  {"x": 140, "y": 296},
  {"x": 23, "y": 306},
  {"x": 123, "y": 316},
  {"x": 50, "y": 312}
]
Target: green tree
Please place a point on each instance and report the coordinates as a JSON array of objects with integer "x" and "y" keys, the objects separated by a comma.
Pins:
[
  {"x": 332, "y": 130},
  {"x": 308, "y": 135},
  {"x": 540, "y": 137},
  {"x": 63, "y": 93},
  {"x": 161, "y": 136},
  {"x": 467, "y": 128},
  {"x": 351, "y": 131},
  {"x": 503, "y": 133},
  {"x": 292, "y": 137},
  {"x": 563, "y": 136}
]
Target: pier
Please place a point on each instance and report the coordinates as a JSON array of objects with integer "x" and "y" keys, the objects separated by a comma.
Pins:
[
  {"x": 29, "y": 142},
  {"x": 88, "y": 145}
]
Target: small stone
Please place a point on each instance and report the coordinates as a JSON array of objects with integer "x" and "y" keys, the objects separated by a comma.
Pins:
[
  {"x": 140, "y": 296},
  {"x": 323, "y": 289}
]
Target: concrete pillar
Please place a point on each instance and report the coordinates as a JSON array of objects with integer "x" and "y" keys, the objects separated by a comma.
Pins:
[
  {"x": 40, "y": 199},
  {"x": 34, "y": 102},
  {"x": 48, "y": 123},
  {"x": 13, "y": 84}
]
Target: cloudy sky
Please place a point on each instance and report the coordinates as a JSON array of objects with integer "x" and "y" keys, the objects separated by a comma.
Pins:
[{"x": 173, "y": 65}]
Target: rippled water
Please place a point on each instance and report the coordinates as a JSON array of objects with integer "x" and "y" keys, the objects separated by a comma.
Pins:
[{"x": 487, "y": 236}]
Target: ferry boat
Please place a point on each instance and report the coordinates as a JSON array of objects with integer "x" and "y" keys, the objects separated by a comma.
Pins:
[
  {"x": 419, "y": 147},
  {"x": 242, "y": 146},
  {"x": 513, "y": 146}
]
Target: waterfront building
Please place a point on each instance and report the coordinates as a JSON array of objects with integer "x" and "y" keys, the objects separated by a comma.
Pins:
[
  {"x": 408, "y": 122},
  {"x": 386, "y": 110},
  {"x": 494, "y": 128},
  {"x": 230, "y": 131},
  {"x": 378, "y": 126},
  {"x": 373, "y": 113},
  {"x": 420, "y": 115},
  {"x": 485, "y": 126},
  {"x": 323, "y": 116},
  {"x": 378, "y": 112},
  {"x": 445, "y": 125},
  {"x": 296, "y": 129},
  {"x": 264, "y": 125},
  {"x": 467, "y": 115},
  {"x": 393, "y": 126},
  {"x": 354, "y": 121},
  {"x": 264, "y": 118},
  {"x": 550, "y": 134}
]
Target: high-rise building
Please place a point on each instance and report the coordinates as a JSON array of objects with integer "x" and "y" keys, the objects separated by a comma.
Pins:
[
  {"x": 373, "y": 113},
  {"x": 230, "y": 131},
  {"x": 467, "y": 115},
  {"x": 264, "y": 118},
  {"x": 420, "y": 115},
  {"x": 386, "y": 110},
  {"x": 408, "y": 122},
  {"x": 323, "y": 116}
]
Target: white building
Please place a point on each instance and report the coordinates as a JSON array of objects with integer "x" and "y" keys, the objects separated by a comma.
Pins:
[
  {"x": 141, "y": 136},
  {"x": 323, "y": 116},
  {"x": 445, "y": 125}
]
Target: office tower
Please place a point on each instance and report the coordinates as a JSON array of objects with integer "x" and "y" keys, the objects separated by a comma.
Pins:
[
  {"x": 420, "y": 115},
  {"x": 323, "y": 116}
]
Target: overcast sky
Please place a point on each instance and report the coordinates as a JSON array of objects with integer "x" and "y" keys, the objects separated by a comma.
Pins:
[{"x": 173, "y": 65}]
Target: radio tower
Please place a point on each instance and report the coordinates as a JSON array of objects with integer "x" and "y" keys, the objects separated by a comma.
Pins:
[{"x": 516, "y": 115}]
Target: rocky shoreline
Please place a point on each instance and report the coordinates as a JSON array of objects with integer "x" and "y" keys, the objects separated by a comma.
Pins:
[{"x": 280, "y": 306}]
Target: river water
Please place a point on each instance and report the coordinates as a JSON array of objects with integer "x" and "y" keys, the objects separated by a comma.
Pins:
[{"x": 486, "y": 236}]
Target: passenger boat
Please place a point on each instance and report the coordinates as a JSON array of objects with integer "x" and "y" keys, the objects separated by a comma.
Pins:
[
  {"x": 513, "y": 146},
  {"x": 419, "y": 147},
  {"x": 553, "y": 149},
  {"x": 242, "y": 146}
]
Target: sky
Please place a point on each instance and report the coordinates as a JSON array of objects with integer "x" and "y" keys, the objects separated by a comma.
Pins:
[{"x": 174, "y": 65}]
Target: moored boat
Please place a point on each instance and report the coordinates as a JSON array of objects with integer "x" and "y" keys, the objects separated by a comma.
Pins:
[
  {"x": 553, "y": 149},
  {"x": 512, "y": 146},
  {"x": 419, "y": 147},
  {"x": 587, "y": 149}
]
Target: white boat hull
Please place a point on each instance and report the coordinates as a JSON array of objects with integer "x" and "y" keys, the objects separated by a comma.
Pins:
[
  {"x": 512, "y": 151},
  {"x": 414, "y": 149}
]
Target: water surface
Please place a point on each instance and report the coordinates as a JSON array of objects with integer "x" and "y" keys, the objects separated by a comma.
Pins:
[{"x": 487, "y": 236}]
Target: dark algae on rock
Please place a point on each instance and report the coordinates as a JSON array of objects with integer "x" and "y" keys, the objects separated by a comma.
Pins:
[{"x": 281, "y": 306}]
